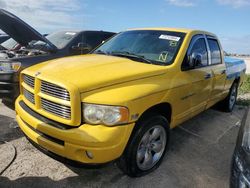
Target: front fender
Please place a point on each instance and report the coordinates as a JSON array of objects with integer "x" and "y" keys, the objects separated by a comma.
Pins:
[{"x": 138, "y": 95}]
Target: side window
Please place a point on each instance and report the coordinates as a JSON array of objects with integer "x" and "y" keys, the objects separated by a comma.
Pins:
[
  {"x": 215, "y": 51},
  {"x": 79, "y": 39},
  {"x": 93, "y": 39},
  {"x": 200, "y": 47}
]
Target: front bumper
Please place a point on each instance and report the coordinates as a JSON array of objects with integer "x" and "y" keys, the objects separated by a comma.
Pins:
[
  {"x": 105, "y": 143},
  {"x": 9, "y": 86}
]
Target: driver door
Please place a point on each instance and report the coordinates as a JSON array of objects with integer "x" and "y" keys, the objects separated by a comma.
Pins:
[{"x": 199, "y": 73}]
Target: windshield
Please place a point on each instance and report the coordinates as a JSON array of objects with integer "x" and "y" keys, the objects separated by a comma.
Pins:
[
  {"x": 59, "y": 39},
  {"x": 9, "y": 44},
  {"x": 159, "y": 47}
]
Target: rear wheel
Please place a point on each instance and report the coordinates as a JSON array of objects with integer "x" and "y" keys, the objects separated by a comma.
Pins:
[
  {"x": 229, "y": 102},
  {"x": 146, "y": 147}
]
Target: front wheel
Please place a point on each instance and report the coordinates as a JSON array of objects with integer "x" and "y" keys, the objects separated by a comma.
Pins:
[
  {"x": 146, "y": 147},
  {"x": 229, "y": 102}
]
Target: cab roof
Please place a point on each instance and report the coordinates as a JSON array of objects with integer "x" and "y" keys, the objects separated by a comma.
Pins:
[{"x": 182, "y": 30}]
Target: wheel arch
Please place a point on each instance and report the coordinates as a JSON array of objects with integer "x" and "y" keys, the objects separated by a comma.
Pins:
[
  {"x": 164, "y": 109},
  {"x": 237, "y": 80},
  {"x": 125, "y": 161}
]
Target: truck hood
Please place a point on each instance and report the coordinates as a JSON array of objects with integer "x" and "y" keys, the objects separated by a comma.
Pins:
[
  {"x": 89, "y": 72},
  {"x": 19, "y": 30}
]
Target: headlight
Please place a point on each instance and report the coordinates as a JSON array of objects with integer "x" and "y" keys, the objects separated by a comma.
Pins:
[
  {"x": 107, "y": 115},
  {"x": 9, "y": 67}
]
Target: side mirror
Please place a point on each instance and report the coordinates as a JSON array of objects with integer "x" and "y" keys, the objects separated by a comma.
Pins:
[
  {"x": 81, "y": 47},
  {"x": 195, "y": 59}
]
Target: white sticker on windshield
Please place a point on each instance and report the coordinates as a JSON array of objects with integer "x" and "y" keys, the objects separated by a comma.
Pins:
[
  {"x": 169, "y": 37},
  {"x": 70, "y": 33}
]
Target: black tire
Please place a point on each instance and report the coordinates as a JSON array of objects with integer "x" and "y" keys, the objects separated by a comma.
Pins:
[
  {"x": 129, "y": 161},
  {"x": 228, "y": 103}
]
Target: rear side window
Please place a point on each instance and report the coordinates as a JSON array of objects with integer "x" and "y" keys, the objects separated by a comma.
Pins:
[
  {"x": 215, "y": 51},
  {"x": 200, "y": 48}
]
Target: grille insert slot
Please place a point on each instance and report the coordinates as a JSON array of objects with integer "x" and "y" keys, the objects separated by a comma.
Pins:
[
  {"x": 29, "y": 80},
  {"x": 55, "y": 91},
  {"x": 56, "y": 109},
  {"x": 44, "y": 119},
  {"x": 29, "y": 96}
]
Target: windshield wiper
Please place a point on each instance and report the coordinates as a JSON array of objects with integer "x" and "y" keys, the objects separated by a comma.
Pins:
[
  {"x": 131, "y": 55},
  {"x": 100, "y": 52}
]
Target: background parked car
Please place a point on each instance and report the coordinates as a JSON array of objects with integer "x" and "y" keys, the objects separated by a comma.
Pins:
[
  {"x": 3, "y": 37},
  {"x": 12, "y": 45},
  {"x": 55, "y": 45},
  {"x": 240, "y": 172}
]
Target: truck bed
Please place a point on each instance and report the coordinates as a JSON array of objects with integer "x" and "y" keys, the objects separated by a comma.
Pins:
[{"x": 234, "y": 66}]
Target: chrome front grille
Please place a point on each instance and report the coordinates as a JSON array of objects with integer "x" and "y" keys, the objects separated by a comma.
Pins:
[
  {"x": 54, "y": 90},
  {"x": 29, "y": 96},
  {"x": 29, "y": 80},
  {"x": 56, "y": 109},
  {"x": 43, "y": 100}
]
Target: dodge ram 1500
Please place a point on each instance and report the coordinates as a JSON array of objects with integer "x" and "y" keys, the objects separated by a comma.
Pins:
[{"x": 120, "y": 101}]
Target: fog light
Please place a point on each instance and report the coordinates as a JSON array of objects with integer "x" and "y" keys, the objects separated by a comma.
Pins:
[{"x": 89, "y": 154}]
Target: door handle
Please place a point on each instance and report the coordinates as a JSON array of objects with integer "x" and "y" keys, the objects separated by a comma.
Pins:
[
  {"x": 223, "y": 72},
  {"x": 207, "y": 76}
]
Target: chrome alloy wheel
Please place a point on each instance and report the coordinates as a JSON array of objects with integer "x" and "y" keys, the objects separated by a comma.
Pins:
[
  {"x": 151, "y": 147},
  {"x": 233, "y": 96}
]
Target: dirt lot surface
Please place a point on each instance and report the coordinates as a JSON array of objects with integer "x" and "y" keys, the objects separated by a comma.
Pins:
[{"x": 199, "y": 156}]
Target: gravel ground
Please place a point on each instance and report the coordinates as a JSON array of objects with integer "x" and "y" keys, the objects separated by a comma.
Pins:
[{"x": 199, "y": 156}]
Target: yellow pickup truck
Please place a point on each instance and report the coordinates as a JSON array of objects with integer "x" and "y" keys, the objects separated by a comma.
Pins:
[{"x": 120, "y": 101}]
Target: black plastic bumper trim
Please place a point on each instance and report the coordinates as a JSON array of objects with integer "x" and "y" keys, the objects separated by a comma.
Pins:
[
  {"x": 48, "y": 137},
  {"x": 44, "y": 119},
  {"x": 64, "y": 160}
]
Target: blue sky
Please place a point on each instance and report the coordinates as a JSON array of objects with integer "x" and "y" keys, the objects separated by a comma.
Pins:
[{"x": 229, "y": 19}]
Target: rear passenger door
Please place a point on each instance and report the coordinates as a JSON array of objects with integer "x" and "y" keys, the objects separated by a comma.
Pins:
[
  {"x": 200, "y": 75},
  {"x": 218, "y": 69}
]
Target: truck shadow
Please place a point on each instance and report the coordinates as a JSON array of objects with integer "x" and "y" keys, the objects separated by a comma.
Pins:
[
  {"x": 9, "y": 104},
  {"x": 45, "y": 182},
  {"x": 196, "y": 157},
  {"x": 104, "y": 176},
  {"x": 9, "y": 129}
]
